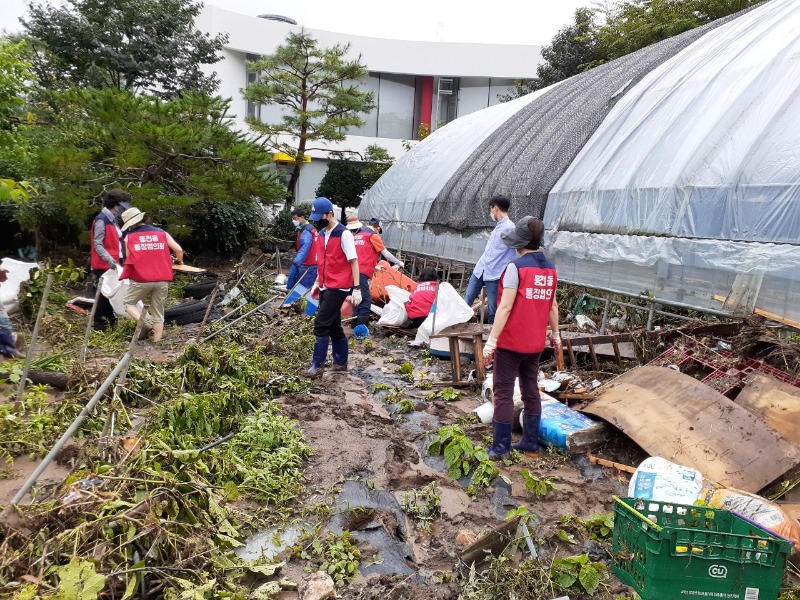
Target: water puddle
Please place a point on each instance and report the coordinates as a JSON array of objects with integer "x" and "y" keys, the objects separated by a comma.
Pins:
[
  {"x": 375, "y": 517},
  {"x": 270, "y": 543}
]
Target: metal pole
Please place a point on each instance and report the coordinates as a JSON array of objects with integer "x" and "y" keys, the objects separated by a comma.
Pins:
[
  {"x": 34, "y": 336},
  {"x": 278, "y": 259},
  {"x": 208, "y": 310},
  {"x": 605, "y": 315},
  {"x": 82, "y": 357},
  {"x": 650, "y": 316},
  {"x": 72, "y": 428},
  {"x": 244, "y": 316}
]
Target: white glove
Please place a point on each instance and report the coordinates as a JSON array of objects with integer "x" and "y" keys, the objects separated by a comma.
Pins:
[
  {"x": 355, "y": 298},
  {"x": 489, "y": 347},
  {"x": 398, "y": 265},
  {"x": 555, "y": 341}
]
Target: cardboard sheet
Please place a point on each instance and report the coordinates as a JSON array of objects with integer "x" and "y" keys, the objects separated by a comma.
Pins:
[
  {"x": 672, "y": 415},
  {"x": 775, "y": 402}
]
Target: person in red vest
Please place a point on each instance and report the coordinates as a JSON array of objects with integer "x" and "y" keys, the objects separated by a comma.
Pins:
[
  {"x": 148, "y": 264},
  {"x": 107, "y": 249},
  {"x": 337, "y": 278},
  {"x": 370, "y": 248},
  {"x": 526, "y": 304},
  {"x": 304, "y": 265},
  {"x": 421, "y": 301}
]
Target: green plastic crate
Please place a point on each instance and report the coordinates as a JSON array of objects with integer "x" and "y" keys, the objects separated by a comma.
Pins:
[{"x": 668, "y": 551}]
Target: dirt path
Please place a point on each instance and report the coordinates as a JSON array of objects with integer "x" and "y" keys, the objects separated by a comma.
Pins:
[{"x": 359, "y": 445}]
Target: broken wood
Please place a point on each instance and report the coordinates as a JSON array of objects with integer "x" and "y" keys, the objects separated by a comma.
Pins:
[
  {"x": 610, "y": 463},
  {"x": 764, "y": 313},
  {"x": 492, "y": 543},
  {"x": 672, "y": 415},
  {"x": 56, "y": 380}
]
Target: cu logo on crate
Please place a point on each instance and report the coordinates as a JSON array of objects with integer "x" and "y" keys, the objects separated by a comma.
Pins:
[{"x": 718, "y": 571}]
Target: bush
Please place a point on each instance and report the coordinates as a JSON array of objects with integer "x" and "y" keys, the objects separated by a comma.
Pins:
[{"x": 227, "y": 228}]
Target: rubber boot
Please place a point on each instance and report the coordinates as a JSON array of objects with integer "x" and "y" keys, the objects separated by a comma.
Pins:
[
  {"x": 529, "y": 444},
  {"x": 501, "y": 446},
  {"x": 340, "y": 352},
  {"x": 319, "y": 356}
]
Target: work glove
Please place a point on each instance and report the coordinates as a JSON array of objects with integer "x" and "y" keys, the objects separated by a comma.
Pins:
[
  {"x": 314, "y": 290},
  {"x": 555, "y": 341},
  {"x": 112, "y": 264},
  {"x": 489, "y": 348},
  {"x": 355, "y": 297},
  {"x": 398, "y": 265}
]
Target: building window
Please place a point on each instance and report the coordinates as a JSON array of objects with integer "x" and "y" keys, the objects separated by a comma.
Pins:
[{"x": 253, "y": 109}]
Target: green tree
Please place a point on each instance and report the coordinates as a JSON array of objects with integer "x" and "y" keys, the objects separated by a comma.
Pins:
[
  {"x": 144, "y": 46},
  {"x": 343, "y": 183},
  {"x": 573, "y": 50},
  {"x": 182, "y": 160},
  {"x": 15, "y": 75},
  {"x": 346, "y": 180},
  {"x": 318, "y": 91},
  {"x": 634, "y": 24}
]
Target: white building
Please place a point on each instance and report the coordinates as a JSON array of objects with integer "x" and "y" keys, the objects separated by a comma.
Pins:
[{"x": 413, "y": 82}]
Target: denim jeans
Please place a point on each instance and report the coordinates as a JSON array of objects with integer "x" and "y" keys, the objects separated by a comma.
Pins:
[
  {"x": 474, "y": 287},
  {"x": 363, "y": 309},
  {"x": 6, "y": 336}
]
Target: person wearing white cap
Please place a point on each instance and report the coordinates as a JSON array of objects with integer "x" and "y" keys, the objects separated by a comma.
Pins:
[
  {"x": 337, "y": 277},
  {"x": 148, "y": 264}
]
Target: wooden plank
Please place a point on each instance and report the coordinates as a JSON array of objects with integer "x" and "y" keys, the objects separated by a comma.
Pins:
[
  {"x": 572, "y": 360},
  {"x": 595, "y": 362},
  {"x": 188, "y": 269},
  {"x": 480, "y": 367},
  {"x": 774, "y": 402},
  {"x": 609, "y": 463},
  {"x": 455, "y": 359},
  {"x": 616, "y": 351},
  {"x": 672, "y": 415},
  {"x": 493, "y": 543}
]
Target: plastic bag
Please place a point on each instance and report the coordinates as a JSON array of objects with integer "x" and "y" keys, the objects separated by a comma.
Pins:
[
  {"x": 394, "y": 313},
  {"x": 449, "y": 309},
  {"x": 115, "y": 289},
  {"x": 18, "y": 272},
  {"x": 759, "y": 510},
  {"x": 664, "y": 481}
]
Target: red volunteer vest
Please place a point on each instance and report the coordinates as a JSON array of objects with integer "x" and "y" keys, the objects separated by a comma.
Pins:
[
  {"x": 526, "y": 328},
  {"x": 421, "y": 300},
  {"x": 148, "y": 256},
  {"x": 110, "y": 242},
  {"x": 367, "y": 257},
  {"x": 311, "y": 258},
  {"x": 334, "y": 268}
]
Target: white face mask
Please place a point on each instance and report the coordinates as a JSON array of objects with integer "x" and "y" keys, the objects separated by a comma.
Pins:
[
  {"x": 296, "y": 223},
  {"x": 491, "y": 216}
]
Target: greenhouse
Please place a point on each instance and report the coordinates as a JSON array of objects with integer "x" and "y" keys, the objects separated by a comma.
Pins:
[{"x": 672, "y": 172}]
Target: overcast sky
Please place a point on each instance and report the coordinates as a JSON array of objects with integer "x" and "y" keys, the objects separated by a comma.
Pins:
[{"x": 496, "y": 22}]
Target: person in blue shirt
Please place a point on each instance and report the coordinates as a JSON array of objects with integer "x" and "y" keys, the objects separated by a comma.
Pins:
[
  {"x": 495, "y": 257},
  {"x": 304, "y": 265}
]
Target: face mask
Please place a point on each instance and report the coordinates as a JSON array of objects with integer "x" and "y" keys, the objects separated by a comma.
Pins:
[
  {"x": 491, "y": 216},
  {"x": 296, "y": 223},
  {"x": 322, "y": 223}
]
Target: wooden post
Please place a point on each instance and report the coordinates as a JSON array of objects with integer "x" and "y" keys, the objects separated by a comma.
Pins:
[
  {"x": 82, "y": 357},
  {"x": 34, "y": 337}
]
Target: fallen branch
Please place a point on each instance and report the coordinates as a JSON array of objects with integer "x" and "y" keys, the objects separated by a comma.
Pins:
[{"x": 56, "y": 380}]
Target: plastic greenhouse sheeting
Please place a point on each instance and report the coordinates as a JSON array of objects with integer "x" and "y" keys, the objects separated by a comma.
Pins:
[{"x": 705, "y": 146}]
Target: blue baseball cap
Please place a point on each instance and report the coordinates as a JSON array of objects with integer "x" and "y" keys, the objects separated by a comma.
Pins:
[{"x": 320, "y": 207}]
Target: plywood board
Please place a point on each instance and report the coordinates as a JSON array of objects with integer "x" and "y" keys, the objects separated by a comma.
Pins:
[
  {"x": 187, "y": 269},
  {"x": 774, "y": 402},
  {"x": 674, "y": 416}
]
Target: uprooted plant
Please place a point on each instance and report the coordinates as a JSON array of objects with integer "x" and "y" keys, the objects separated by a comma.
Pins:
[
  {"x": 423, "y": 505},
  {"x": 461, "y": 457}
]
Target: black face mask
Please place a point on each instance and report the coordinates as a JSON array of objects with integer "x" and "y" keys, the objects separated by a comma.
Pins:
[{"x": 322, "y": 223}]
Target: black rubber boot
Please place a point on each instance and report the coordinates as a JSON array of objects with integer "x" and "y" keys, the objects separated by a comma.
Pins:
[
  {"x": 501, "y": 446},
  {"x": 319, "y": 356},
  {"x": 529, "y": 444},
  {"x": 340, "y": 353}
]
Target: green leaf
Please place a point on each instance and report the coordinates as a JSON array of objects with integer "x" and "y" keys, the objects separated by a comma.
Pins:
[
  {"x": 266, "y": 570},
  {"x": 569, "y": 538},
  {"x": 231, "y": 491},
  {"x": 79, "y": 581},
  {"x": 589, "y": 578},
  {"x": 566, "y": 580}
]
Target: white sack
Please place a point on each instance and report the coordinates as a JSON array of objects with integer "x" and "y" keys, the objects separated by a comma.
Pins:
[
  {"x": 115, "y": 289},
  {"x": 664, "y": 481},
  {"x": 394, "y": 313},
  {"x": 450, "y": 309},
  {"x": 18, "y": 272}
]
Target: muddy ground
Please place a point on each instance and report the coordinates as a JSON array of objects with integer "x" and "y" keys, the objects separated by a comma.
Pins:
[{"x": 361, "y": 443}]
